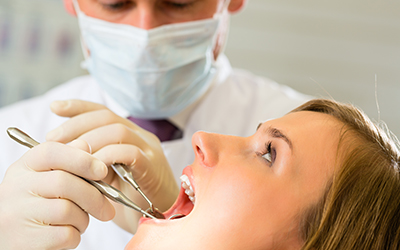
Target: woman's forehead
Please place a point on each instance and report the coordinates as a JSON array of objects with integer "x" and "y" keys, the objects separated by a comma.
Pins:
[{"x": 303, "y": 121}]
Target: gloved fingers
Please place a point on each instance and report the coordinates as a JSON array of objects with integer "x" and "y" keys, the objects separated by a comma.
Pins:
[
  {"x": 154, "y": 177},
  {"x": 57, "y": 212},
  {"x": 35, "y": 218},
  {"x": 56, "y": 156},
  {"x": 68, "y": 187},
  {"x": 82, "y": 145},
  {"x": 52, "y": 238},
  {"x": 41, "y": 237},
  {"x": 148, "y": 177},
  {"x": 82, "y": 123},
  {"x": 73, "y": 107},
  {"x": 131, "y": 156},
  {"x": 60, "y": 237},
  {"x": 114, "y": 134}
]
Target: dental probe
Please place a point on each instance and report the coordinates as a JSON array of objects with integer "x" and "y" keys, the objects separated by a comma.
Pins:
[
  {"x": 106, "y": 189},
  {"x": 125, "y": 174}
]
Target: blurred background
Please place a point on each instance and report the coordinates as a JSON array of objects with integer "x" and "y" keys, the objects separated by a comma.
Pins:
[
  {"x": 39, "y": 48},
  {"x": 340, "y": 48}
]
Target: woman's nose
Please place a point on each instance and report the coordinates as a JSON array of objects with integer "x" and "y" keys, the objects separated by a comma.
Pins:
[{"x": 207, "y": 147}]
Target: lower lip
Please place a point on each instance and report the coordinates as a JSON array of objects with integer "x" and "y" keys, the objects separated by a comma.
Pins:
[
  {"x": 145, "y": 220},
  {"x": 149, "y": 221}
]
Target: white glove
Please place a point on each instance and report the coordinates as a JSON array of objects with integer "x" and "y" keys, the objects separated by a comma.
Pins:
[
  {"x": 43, "y": 204},
  {"x": 114, "y": 139}
]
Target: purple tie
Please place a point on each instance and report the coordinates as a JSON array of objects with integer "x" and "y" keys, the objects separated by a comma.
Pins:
[{"x": 163, "y": 129}]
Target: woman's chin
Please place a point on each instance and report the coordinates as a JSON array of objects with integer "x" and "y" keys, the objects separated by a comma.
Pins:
[{"x": 152, "y": 233}]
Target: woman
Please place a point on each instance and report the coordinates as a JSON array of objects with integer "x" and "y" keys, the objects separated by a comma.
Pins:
[{"x": 321, "y": 177}]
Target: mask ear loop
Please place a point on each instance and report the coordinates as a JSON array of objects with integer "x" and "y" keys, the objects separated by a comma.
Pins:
[
  {"x": 223, "y": 9},
  {"x": 86, "y": 55},
  {"x": 76, "y": 6},
  {"x": 219, "y": 15},
  {"x": 226, "y": 5}
]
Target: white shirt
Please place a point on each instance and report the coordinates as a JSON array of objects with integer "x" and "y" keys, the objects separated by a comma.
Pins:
[{"x": 237, "y": 102}]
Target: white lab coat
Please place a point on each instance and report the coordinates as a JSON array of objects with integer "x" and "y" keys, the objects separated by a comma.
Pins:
[{"x": 235, "y": 105}]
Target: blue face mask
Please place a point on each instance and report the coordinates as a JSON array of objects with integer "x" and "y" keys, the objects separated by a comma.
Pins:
[{"x": 151, "y": 73}]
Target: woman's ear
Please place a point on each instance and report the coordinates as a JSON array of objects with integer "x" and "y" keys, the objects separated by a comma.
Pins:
[
  {"x": 236, "y": 6},
  {"x": 69, "y": 6}
]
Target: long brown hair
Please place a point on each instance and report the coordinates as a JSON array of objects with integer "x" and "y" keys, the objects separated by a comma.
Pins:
[{"x": 361, "y": 205}]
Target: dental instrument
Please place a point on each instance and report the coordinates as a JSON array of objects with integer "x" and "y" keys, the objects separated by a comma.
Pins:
[
  {"x": 125, "y": 173},
  {"x": 176, "y": 216},
  {"x": 106, "y": 189}
]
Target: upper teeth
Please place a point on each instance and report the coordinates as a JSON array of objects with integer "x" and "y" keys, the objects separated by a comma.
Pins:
[{"x": 188, "y": 188}]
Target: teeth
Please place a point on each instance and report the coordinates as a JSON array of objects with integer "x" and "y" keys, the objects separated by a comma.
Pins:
[
  {"x": 188, "y": 188},
  {"x": 185, "y": 181},
  {"x": 184, "y": 185},
  {"x": 189, "y": 192}
]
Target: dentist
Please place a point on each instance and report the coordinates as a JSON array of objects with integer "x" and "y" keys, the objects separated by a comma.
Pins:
[{"x": 155, "y": 65}]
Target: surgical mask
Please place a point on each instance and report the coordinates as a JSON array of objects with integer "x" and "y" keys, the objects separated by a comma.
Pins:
[{"x": 153, "y": 73}]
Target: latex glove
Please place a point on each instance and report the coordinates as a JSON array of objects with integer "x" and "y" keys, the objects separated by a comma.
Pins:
[
  {"x": 115, "y": 139},
  {"x": 43, "y": 204}
]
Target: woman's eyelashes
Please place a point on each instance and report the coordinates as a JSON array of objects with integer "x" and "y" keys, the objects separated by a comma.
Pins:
[{"x": 269, "y": 153}]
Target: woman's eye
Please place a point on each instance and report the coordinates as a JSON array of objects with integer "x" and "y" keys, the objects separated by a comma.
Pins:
[
  {"x": 269, "y": 153},
  {"x": 268, "y": 157}
]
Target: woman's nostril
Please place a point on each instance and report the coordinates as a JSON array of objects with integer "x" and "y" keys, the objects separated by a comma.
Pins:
[
  {"x": 205, "y": 148},
  {"x": 200, "y": 152}
]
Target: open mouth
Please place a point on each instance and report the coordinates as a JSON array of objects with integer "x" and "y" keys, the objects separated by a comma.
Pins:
[
  {"x": 183, "y": 205},
  {"x": 185, "y": 202}
]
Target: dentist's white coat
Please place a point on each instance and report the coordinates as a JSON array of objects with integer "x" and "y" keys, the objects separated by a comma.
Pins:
[{"x": 235, "y": 105}]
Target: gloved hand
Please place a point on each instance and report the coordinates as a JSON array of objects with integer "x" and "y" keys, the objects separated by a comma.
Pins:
[
  {"x": 43, "y": 204},
  {"x": 114, "y": 139}
]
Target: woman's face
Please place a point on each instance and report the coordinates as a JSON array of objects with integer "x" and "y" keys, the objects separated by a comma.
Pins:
[{"x": 250, "y": 191}]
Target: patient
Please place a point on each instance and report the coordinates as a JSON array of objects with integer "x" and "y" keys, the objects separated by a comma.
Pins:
[{"x": 322, "y": 177}]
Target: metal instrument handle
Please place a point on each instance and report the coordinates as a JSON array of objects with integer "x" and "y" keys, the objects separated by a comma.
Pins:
[{"x": 106, "y": 189}]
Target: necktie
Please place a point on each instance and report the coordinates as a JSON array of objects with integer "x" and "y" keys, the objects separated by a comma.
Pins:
[{"x": 163, "y": 129}]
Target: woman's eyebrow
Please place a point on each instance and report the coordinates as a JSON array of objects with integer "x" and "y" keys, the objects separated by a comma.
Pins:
[{"x": 276, "y": 133}]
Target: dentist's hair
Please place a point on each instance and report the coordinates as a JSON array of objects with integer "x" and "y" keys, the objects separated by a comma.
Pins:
[{"x": 361, "y": 205}]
